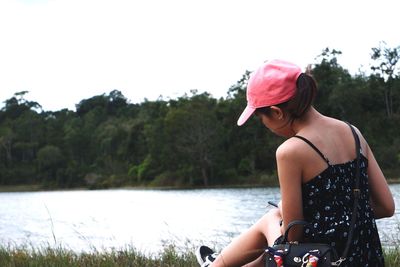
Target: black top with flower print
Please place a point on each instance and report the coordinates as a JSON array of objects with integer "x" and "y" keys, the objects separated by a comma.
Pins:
[{"x": 328, "y": 206}]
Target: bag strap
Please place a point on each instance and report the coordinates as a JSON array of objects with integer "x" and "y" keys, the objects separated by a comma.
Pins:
[
  {"x": 356, "y": 192},
  {"x": 290, "y": 225}
]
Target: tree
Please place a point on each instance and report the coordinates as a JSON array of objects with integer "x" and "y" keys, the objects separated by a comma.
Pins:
[
  {"x": 6, "y": 138},
  {"x": 386, "y": 59},
  {"x": 50, "y": 160},
  {"x": 146, "y": 144},
  {"x": 17, "y": 105},
  {"x": 109, "y": 139},
  {"x": 193, "y": 132}
]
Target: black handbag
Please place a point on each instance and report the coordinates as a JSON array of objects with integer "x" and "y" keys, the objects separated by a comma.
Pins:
[
  {"x": 293, "y": 254},
  {"x": 296, "y": 254}
]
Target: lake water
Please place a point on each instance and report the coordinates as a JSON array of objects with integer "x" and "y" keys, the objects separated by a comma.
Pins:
[{"x": 144, "y": 219}]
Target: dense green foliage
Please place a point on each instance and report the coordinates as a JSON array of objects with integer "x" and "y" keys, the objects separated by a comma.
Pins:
[{"x": 189, "y": 141}]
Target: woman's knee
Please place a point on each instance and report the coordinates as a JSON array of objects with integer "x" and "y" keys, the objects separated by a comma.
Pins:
[
  {"x": 271, "y": 217},
  {"x": 269, "y": 225},
  {"x": 269, "y": 220}
]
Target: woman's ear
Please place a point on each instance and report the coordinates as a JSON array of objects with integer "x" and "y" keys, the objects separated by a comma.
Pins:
[{"x": 277, "y": 112}]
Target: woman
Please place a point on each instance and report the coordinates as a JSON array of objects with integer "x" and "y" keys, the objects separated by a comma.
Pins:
[{"x": 316, "y": 175}]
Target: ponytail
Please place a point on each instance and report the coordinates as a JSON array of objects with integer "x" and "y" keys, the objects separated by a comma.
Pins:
[{"x": 304, "y": 97}]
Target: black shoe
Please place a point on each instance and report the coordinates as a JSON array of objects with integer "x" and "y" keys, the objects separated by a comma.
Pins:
[{"x": 205, "y": 256}]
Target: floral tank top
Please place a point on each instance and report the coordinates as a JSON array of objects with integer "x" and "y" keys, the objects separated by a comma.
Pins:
[{"x": 328, "y": 206}]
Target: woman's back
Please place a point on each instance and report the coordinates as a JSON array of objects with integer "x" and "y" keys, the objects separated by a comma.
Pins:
[
  {"x": 334, "y": 140},
  {"x": 328, "y": 205}
]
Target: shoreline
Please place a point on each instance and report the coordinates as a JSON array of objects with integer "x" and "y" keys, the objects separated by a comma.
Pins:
[{"x": 39, "y": 188}]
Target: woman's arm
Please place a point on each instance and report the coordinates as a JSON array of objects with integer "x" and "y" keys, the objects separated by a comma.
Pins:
[
  {"x": 289, "y": 173},
  {"x": 381, "y": 198}
]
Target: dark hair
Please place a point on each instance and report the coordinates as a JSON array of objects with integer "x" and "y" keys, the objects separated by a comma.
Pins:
[{"x": 301, "y": 101}]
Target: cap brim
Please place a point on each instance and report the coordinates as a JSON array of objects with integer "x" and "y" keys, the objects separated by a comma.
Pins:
[{"x": 247, "y": 112}]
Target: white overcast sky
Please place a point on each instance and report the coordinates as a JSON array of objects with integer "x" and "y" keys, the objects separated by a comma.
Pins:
[{"x": 63, "y": 51}]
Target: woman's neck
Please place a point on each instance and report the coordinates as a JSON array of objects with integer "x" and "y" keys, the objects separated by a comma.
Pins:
[{"x": 310, "y": 117}]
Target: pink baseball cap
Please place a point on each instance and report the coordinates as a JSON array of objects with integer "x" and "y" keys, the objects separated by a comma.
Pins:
[{"x": 273, "y": 83}]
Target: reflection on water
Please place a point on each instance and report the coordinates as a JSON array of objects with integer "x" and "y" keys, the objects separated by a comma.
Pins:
[{"x": 145, "y": 219}]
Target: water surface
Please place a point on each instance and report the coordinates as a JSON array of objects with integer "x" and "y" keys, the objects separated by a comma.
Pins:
[{"x": 145, "y": 219}]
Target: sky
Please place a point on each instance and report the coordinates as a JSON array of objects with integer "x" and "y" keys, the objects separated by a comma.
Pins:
[{"x": 64, "y": 51}]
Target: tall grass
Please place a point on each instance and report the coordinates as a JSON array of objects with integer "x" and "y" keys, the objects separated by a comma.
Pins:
[
  {"x": 392, "y": 256},
  {"x": 129, "y": 257},
  {"x": 171, "y": 256},
  {"x": 59, "y": 257}
]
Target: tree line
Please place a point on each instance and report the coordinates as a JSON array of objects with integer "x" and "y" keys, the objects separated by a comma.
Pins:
[{"x": 189, "y": 141}]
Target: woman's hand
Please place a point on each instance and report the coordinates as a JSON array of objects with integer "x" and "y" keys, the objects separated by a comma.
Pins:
[{"x": 280, "y": 212}]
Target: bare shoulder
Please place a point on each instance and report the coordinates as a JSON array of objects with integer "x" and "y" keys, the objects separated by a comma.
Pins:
[
  {"x": 290, "y": 149},
  {"x": 343, "y": 132}
]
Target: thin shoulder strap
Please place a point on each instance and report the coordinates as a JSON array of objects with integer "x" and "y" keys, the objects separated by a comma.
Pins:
[{"x": 314, "y": 147}]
